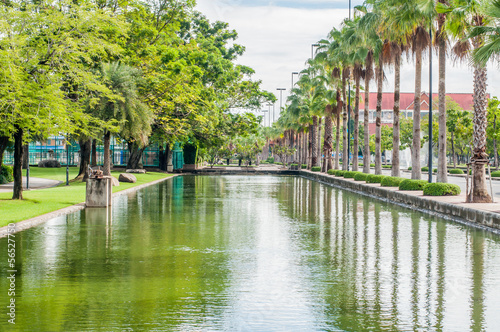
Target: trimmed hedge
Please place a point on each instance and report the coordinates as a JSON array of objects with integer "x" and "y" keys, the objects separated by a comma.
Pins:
[
  {"x": 303, "y": 166},
  {"x": 350, "y": 174},
  {"x": 391, "y": 181},
  {"x": 386, "y": 166},
  {"x": 278, "y": 163},
  {"x": 425, "y": 169},
  {"x": 360, "y": 176},
  {"x": 316, "y": 169},
  {"x": 6, "y": 174},
  {"x": 331, "y": 171},
  {"x": 409, "y": 184},
  {"x": 495, "y": 174},
  {"x": 339, "y": 172},
  {"x": 459, "y": 171},
  {"x": 270, "y": 160},
  {"x": 410, "y": 168},
  {"x": 372, "y": 178},
  {"x": 441, "y": 189},
  {"x": 372, "y": 165}
]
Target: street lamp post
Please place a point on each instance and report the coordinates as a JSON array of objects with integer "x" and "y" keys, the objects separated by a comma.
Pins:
[
  {"x": 430, "y": 106},
  {"x": 294, "y": 73},
  {"x": 349, "y": 113},
  {"x": 312, "y": 50},
  {"x": 281, "y": 98}
]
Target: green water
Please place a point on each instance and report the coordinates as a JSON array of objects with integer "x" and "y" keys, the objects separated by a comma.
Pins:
[{"x": 256, "y": 253}]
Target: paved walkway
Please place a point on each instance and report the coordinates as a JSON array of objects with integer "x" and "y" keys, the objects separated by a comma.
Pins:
[{"x": 35, "y": 183}]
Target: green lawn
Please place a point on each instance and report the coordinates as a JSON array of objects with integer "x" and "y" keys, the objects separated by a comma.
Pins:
[{"x": 38, "y": 202}]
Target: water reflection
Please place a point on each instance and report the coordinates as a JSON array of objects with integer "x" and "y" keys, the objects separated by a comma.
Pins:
[{"x": 253, "y": 254}]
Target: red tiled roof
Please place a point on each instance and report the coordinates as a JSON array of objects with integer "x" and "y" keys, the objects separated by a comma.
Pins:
[{"x": 465, "y": 100}]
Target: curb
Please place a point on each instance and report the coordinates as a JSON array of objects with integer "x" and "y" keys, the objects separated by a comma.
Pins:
[{"x": 35, "y": 221}]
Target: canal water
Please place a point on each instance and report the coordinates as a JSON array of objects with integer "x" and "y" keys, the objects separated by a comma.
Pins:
[{"x": 252, "y": 253}]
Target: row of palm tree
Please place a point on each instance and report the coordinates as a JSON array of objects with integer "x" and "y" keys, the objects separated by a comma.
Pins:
[{"x": 379, "y": 35}]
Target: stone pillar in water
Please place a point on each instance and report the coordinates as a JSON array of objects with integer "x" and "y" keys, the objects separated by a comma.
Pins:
[{"x": 99, "y": 192}]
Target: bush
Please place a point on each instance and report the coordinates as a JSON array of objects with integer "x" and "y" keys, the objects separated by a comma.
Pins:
[
  {"x": 339, "y": 172},
  {"x": 294, "y": 165},
  {"x": 331, "y": 171},
  {"x": 391, "y": 181},
  {"x": 6, "y": 174},
  {"x": 495, "y": 174},
  {"x": 386, "y": 166},
  {"x": 360, "y": 176},
  {"x": 441, "y": 189},
  {"x": 270, "y": 160},
  {"x": 372, "y": 165},
  {"x": 316, "y": 169},
  {"x": 350, "y": 174},
  {"x": 410, "y": 168},
  {"x": 49, "y": 164},
  {"x": 372, "y": 178},
  {"x": 425, "y": 169},
  {"x": 459, "y": 171},
  {"x": 303, "y": 166},
  {"x": 278, "y": 163},
  {"x": 435, "y": 170},
  {"x": 409, "y": 184}
]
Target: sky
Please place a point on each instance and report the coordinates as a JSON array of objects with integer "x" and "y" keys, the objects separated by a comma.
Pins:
[{"x": 278, "y": 36}]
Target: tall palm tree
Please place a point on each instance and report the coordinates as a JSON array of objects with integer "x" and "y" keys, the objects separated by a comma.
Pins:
[{"x": 466, "y": 22}]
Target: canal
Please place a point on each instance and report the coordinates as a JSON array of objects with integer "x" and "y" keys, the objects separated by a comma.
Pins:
[{"x": 252, "y": 253}]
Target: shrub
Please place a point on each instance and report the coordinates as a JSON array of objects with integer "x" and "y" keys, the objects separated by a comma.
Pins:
[
  {"x": 350, "y": 174},
  {"x": 278, "y": 163},
  {"x": 270, "y": 160},
  {"x": 391, "y": 181},
  {"x": 294, "y": 165},
  {"x": 331, "y": 171},
  {"x": 372, "y": 178},
  {"x": 372, "y": 165},
  {"x": 316, "y": 169},
  {"x": 386, "y": 166},
  {"x": 435, "y": 170},
  {"x": 6, "y": 174},
  {"x": 49, "y": 164},
  {"x": 441, "y": 189},
  {"x": 425, "y": 169},
  {"x": 495, "y": 174},
  {"x": 360, "y": 176},
  {"x": 303, "y": 166},
  {"x": 339, "y": 172},
  {"x": 459, "y": 171},
  {"x": 409, "y": 184},
  {"x": 410, "y": 168}
]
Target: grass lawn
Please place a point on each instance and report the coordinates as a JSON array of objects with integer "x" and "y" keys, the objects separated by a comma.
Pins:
[{"x": 41, "y": 201}]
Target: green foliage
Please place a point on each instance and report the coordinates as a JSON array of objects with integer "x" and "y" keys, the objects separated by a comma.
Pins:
[
  {"x": 360, "y": 176},
  {"x": 270, "y": 160},
  {"x": 350, "y": 174},
  {"x": 294, "y": 165},
  {"x": 410, "y": 168},
  {"x": 6, "y": 174},
  {"x": 441, "y": 189},
  {"x": 391, "y": 181},
  {"x": 495, "y": 174},
  {"x": 456, "y": 171},
  {"x": 339, "y": 172},
  {"x": 372, "y": 165},
  {"x": 331, "y": 171},
  {"x": 372, "y": 178},
  {"x": 387, "y": 166},
  {"x": 316, "y": 169},
  {"x": 409, "y": 184},
  {"x": 425, "y": 169},
  {"x": 303, "y": 166}
]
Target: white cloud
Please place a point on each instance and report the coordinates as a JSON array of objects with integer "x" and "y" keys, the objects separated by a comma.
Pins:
[{"x": 278, "y": 42}]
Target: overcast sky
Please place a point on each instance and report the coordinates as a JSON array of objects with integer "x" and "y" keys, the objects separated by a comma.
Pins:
[{"x": 278, "y": 36}]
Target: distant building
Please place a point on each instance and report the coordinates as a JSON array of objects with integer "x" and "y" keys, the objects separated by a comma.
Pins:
[{"x": 465, "y": 100}]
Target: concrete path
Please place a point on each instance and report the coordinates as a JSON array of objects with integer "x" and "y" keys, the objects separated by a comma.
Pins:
[{"x": 35, "y": 183}]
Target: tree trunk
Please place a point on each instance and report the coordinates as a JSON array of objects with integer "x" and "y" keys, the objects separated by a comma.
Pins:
[
  {"x": 328, "y": 140},
  {"x": 337, "y": 131},
  {"x": 345, "y": 153},
  {"x": 135, "y": 155},
  {"x": 94, "y": 153},
  {"x": 314, "y": 143},
  {"x": 107, "y": 159},
  {"x": 85, "y": 147},
  {"x": 355, "y": 145},
  {"x": 310, "y": 147},
  {"x": 378, "y": 120},
  {"x": 25, "y": 156},
  {"x": 480, "y": 158},
  {"x": 320, "y": 120},
  {"x": 442, "y": 171},
  {"x": 18, "y": 160},
  {"x": 495, "y": 149},
  {"x": 453, "y": 154},
  {"x": 4, "y": 141},
  {"x": 395, "y": 121},
  {"x": 366, "y": 125},
  {"x": 416, "y": 172}
]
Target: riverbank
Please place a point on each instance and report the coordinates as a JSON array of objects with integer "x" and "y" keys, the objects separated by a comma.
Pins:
[{"x": 61, "y": 199}]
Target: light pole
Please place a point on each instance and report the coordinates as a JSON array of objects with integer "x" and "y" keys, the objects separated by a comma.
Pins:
[
  {"x": 264, "y": 111},
  {"x": 269, "y": 105},
  {"x": 294, "y": 73},
  {"x": 349, "y": 113},
  {"x": 312, "y": 48},
  {"x": 281, "y": 98},
  {"x": 28, "y": 165},
  {"x": 430, "y": 105}
]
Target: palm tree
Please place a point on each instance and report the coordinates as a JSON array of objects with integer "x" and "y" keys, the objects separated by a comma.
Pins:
[{"x": 464, "y": 17}]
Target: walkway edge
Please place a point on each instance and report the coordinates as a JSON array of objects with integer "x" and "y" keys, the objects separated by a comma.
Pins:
[
  {"x": 35, "y": 221},
  {"x": 472, "y": 217}
]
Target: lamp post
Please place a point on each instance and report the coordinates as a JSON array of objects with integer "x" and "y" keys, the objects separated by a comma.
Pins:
[
  {"x": 67, "y": 160},
  {"x": 264, "y": 111},
  {"x": 430, "y": 105},
  {"x": 312, "y": 50},
  {"x": 269, "y": 105},
  {"x": 281, "y": 98},
  {"x": 28, "y": 165},
  {"x": 294, "y": 73},
  {"x": 349, "y": 112}
]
